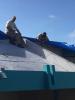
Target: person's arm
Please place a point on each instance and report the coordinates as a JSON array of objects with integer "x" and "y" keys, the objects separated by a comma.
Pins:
[{"x": 16, "y": 29}]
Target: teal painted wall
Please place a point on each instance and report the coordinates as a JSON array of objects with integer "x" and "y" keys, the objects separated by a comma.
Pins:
[
  {"x": 37, "y": 80},
  {"x": 23, "y": 80},
  {"x": 59, "y": 80},
  {"x": 64, "y": 80}
]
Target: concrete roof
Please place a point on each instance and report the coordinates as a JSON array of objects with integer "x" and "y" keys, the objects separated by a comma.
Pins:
[{"x": 33, "y": 58}]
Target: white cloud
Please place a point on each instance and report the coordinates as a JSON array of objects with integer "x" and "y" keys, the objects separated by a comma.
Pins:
[
  {"x": 70, "y": 37},
  {"x": 72, "y": 34},
  {"x": 51, "y": 16}
]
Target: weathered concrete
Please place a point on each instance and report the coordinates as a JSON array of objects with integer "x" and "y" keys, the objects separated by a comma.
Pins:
[{"x": 33, "y": 57}]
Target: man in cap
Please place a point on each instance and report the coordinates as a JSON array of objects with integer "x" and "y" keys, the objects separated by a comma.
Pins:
[
  {"x": 43, "y": 37},
  {"x": 13, "y": 33}
]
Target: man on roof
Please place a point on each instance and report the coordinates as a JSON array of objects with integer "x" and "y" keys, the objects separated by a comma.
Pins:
[
  {"x": 13, "y": 33},
  {"x": 43, "y": 37}
]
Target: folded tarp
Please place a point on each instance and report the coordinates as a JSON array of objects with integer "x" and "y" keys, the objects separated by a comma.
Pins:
[{"x": 61, "y": 45}]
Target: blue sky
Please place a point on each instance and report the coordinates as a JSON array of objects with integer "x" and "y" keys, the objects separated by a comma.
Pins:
[{"x": 56, "y": 17}]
